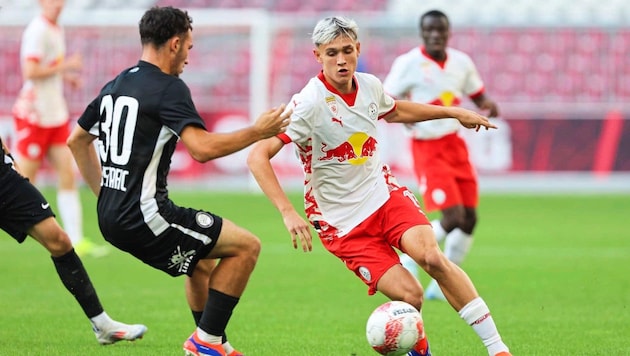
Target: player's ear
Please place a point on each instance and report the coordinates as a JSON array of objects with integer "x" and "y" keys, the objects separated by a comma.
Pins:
[
  {"x": 358, "y": 48},
  {"x": 317, "y": 55},
  {"x": 175, "y": 43}
]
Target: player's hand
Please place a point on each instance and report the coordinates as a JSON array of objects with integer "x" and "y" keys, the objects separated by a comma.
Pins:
[
  {"x": 73, "y": 62},
  {"x": 491, "y": 107},
  {"x": 472, "y": 120},
  {"x": 298, "y": 228},
  {"x": 273, "y": 121},
  {"x": 74, "y": 79}
]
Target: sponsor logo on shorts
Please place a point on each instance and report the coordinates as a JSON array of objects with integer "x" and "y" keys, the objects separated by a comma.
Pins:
[
  {"x": 204, "y": 220},
  {"x": 365, "y": 273},
  {"x": 181, "y": 259},
  {"x": 45, "y": 206}
]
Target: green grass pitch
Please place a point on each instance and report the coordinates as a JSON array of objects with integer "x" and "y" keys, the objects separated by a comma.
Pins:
[{"x": 553, "y": 269}]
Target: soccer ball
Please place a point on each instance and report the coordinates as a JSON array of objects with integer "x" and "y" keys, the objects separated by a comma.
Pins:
[{"x": 394, "y": 328}]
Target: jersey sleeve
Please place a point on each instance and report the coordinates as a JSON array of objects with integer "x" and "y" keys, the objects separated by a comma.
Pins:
[
  {"x": 32, "y": 43},
  {"x": 90, "y": 118},
  {"x": 177, "y": 109},
  {"x": 396, "y": 84},
  {"x": 473, "y": 85},
  {"x": 386, "y": 103},
  {"x": 301, "y": 125}
]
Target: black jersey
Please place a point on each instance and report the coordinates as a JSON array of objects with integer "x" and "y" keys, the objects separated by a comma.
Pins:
[
  {"x": 138, "y": 118},
  {"x": 5, "y": 161}
]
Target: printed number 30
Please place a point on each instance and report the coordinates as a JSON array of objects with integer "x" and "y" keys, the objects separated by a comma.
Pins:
[{"x": 111, "y": 128}]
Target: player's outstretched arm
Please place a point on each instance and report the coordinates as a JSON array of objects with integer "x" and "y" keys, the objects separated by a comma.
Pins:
[
  {"x": 471, "y": 120},
  {"x": 259, "y": 162},
  {"x": 410, "y": 112},
  {"x": 204, "y": 146}
]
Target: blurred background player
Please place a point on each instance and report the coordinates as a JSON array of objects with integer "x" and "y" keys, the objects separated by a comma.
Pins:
[
  {"x": 361, "y": 214},
  {"x": 25, "y": 212},
  {"x": 436, "y": 74},
  {"x": 42, "y": 119}
]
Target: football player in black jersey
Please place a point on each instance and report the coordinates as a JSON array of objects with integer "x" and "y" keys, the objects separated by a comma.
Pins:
[
  {"x": 137, "y": 118},
  {"x": 25, "y": 212}
]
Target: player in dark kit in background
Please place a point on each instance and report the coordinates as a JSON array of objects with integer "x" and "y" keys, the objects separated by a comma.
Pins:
[
  {"x": 138, "y": 118},
  {"x": 23, "y": 212}
]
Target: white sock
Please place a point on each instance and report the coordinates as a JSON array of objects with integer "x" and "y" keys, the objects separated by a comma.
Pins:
[
  {"x": 457, "y": 245},
  {"x": 409, "y": 264},
  {"x": 477, "y": 315},
  {"x": 228, "y": 347},
  {"x": 211, "y": 339},
  {"x": 101, "y": 320},
  {"x": 69, "y": 206},
  {"x": 438, "y": 230}
]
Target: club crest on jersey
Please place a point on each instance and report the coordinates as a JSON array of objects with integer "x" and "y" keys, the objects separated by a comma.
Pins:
[
  {"x": 332, "y": 104},
  {"x": 204, "y": 220},
  {"x": 373, "y": 111}
]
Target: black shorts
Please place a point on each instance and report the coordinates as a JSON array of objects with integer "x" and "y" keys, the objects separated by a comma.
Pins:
[
  {"x": 22, "y": 206},
  {"x": 189, "y": 237}
]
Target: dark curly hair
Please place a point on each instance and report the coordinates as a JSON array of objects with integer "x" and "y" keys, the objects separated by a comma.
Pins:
[{"x": 159, "y": 24}]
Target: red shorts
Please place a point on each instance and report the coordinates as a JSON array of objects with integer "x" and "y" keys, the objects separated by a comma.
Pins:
[
  {"x": 444, "y": 172},
  {"x": 368, "y": 249},
  {"x": 33, "y": 142}
]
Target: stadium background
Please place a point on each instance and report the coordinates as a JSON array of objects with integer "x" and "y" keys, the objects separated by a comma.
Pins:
[{"x": 559, "y": 72}]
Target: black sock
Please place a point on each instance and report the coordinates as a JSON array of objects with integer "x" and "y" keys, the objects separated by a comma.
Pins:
[
  {"x": 76, "y": 280},
  {"x": 197, "y": 317},
  {"x": 217, "y": 312}
]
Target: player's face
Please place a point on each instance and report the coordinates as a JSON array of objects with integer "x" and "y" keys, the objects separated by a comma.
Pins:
[
  {"x": 51, "y": 8},
  {"x": 339, "y": 61},
  {"x": 435, "y": 33},
  {"x": 181, "y": 56}
]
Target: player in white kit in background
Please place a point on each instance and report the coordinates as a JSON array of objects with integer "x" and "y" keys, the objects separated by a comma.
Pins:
[
  {"x": 436, "y": 74},
  {"x": 42, "y": 119}
]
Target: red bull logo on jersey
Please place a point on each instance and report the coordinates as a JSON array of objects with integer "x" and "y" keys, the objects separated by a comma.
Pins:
[
  {"x": 447, "y": 98},
  {"x": 356, "y": 150}
]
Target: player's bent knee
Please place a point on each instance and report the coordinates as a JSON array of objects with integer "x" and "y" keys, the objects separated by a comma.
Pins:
[
  {"x": 57, "y": 244},
  {"x": 433, "y": 261},
  {"x": 414, "y": 297}
]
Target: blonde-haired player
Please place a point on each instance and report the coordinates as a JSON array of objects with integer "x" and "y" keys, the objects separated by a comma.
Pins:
[{"x": 360, "y": 213}]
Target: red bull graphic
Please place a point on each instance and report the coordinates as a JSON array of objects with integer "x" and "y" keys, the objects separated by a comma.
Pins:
[
  {"x": 446, "y": 99},
  {"x": 359, "y": 147},
  {"x": 343, "y": 152},
  {"x": 369, "y": 147}
]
